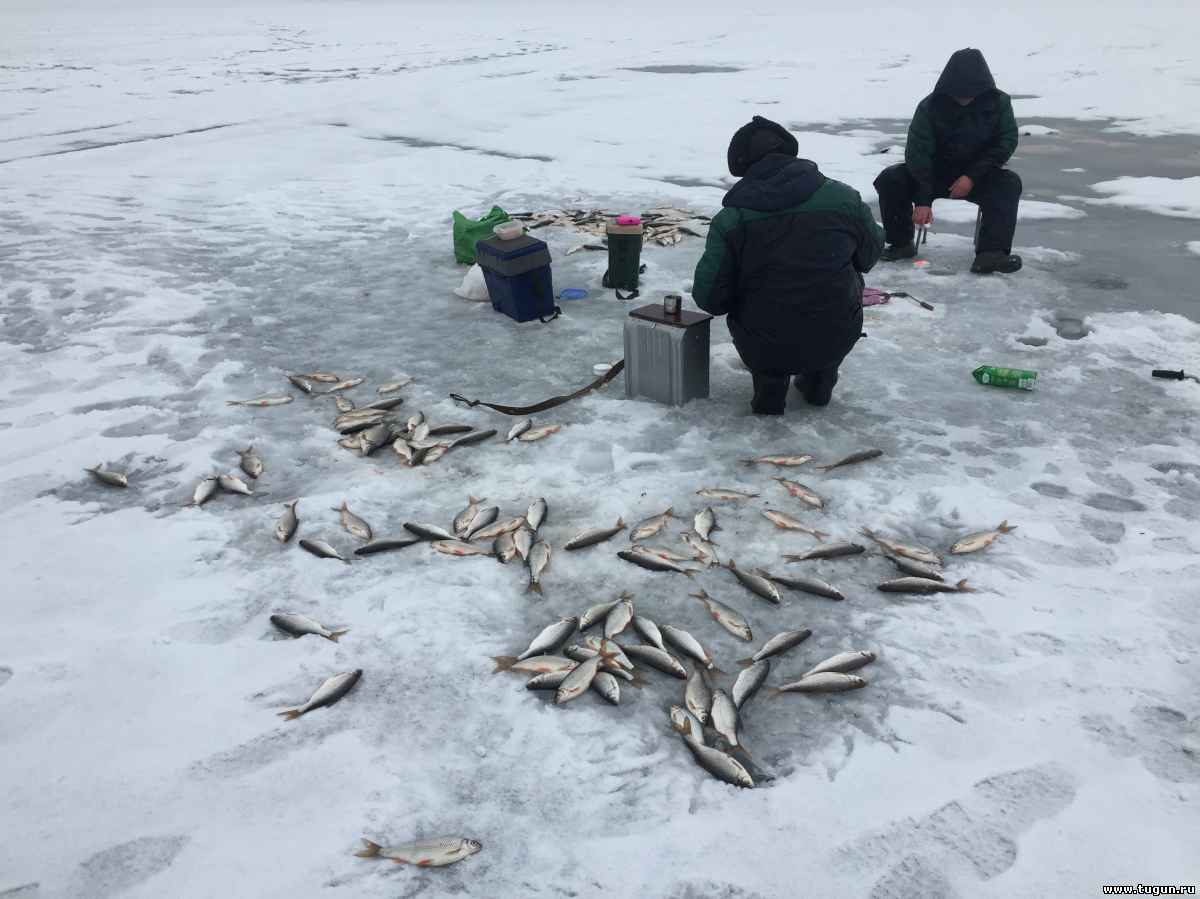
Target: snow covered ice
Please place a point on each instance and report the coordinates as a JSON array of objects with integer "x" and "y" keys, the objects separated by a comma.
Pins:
[{"x": 199, "y": 200}]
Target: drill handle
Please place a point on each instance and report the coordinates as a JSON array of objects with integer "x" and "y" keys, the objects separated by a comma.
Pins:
[{"x": 1168, "y": 374}]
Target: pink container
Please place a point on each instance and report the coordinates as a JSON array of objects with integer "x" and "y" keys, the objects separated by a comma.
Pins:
[{"x": 629, "y": 219}]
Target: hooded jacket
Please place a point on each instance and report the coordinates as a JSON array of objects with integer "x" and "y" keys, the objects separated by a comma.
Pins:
[
  {"x": 784, "y": 260},
  {"x": 946, "y": 140}
]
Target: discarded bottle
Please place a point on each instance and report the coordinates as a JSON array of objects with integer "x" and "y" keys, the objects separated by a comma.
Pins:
[{"x": 993, "y": 376}]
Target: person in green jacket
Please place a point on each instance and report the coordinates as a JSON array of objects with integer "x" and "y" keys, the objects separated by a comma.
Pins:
[{"x": 958, "y": 142}]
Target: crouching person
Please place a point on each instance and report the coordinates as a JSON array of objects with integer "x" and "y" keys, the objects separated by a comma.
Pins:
[{"x": 784, "y": 261}]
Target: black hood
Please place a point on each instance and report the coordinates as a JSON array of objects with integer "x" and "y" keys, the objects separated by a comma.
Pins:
[
  {"x": 755, "y": 140},
  {"x": 966, "y": 75},
  {"x": 777, "y": 181}
]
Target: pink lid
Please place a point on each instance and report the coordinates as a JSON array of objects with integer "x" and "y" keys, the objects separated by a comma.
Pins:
[{"x": 629, "y": 219}]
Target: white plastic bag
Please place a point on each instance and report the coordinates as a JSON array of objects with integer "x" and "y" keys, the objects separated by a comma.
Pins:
[{"x": 473, "y": 286}]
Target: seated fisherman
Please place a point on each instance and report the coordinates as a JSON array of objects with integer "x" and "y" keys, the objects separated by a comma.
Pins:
[
  {"x": 784, "y": 260},
  {"x": 960, "y": 137}
]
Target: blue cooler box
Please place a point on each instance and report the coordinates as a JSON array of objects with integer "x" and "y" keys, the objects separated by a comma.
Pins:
[{"x": 517, "y": 273}]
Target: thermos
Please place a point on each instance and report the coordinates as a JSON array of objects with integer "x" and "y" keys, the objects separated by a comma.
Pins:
[{"x": 624, "y": 253}]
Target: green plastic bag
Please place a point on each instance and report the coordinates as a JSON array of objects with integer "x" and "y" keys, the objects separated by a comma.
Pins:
[{"x": 468, "y": 232}]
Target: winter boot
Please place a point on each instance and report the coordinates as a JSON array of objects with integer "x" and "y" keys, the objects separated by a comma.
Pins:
[
  {"x": 991, "y": 261},
  {"x": 817, "y": 387},
  {"x": 770, "y": 394},
  {"x": 894, "y": 252}
]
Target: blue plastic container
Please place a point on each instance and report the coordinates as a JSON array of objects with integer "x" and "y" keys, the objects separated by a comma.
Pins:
[{"x": 518, "y": 276}]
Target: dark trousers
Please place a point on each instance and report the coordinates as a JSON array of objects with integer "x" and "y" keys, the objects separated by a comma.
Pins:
[
  {"x": 996, "y": 194},
  {"x": 770, "y": 389}
]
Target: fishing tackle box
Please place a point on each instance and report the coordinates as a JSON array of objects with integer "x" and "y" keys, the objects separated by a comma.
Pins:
[
  {"x": 666, "y": 356},
  {"x": 517, "y": 274}
]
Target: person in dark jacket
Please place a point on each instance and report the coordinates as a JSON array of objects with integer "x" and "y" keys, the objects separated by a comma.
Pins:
[
  {"x": 784, "y": 261},
  {"x": 959, "y": 140}
]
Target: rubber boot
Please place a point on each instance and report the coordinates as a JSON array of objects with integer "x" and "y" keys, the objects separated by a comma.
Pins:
[
  {"x": 896, "y": 252},
  {"x": 991, "y": 261},
  {"x": 817, "y": 387},
  {"x": 770, "y": 394}
]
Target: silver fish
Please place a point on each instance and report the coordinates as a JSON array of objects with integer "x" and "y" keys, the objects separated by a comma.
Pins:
[
  {"x": 724, "y": 717},
  {"x": 482, "y": 519},
  {"x": 385, "y": 405},
  {"x": 472, "y": 438},
  {"x": 917, "y": 569},
  {"x": 262, "y": 401},
  {"x": 981, "y": 540},
  {"x": 204, "y": 490},
  {"x": 231, "y": 483},
  {"x": 539, "y": 558},
  {"x": 615, "y": 659},
  {"x": 433, "y": 853},
  {"x": 321, "y": 549},
  {"x": 606, "y": 685},
  {"x": 597, "y": 535},
  {"x": 288, "y": 522},
  {"x": 551, "y": 636},
  {"x": 802, "y": 493},
  {"x": 299, "y": 625},
  {"x": 656, "y": 658},
  {"x": 344, "y": 385},
  {"x": 403, "y": 450},
  {"x": 815, "y": 586},
  {"x": 687, "y": 644},
  {"x": 301, "y": 383},
  {"x": 463, "y": 519},
  {"x": 702, "y": 550},
  {"x": 704, "y": 523},
  {"x": 578, "y": 681},
  {"x": 382, "y": 546},
  {"x": 597, "y": 613},
  {"x": 779, "y": 461},
  {"x": 825, "y": 682},
  {"x": 251, "y": 462},
  {"x": 358, "y": 420},
  {"x": 420, "y": 433},
  {"x": 720, "y": 765},
  {"x": 327, "y": 694},
  {"x": 781, "y": 643},
  {"x": 534, "y": 665},
  {"x": 756, "y": 584},
  {"x": 686, "y": 724},
  {"x": 504, "y": 549},
  {"x": 724, "y": 494},
  {"x": 393, "y": 386},
  {"x": 498, "y": 529},
  {"x": 551, "y": 680},
  {"x": 523, "y": 540},
  {"x": 321, "y": 377},
  {"x": 861, "y": 456},
  {"x": 916, "y": 553},
  {"x": 428, "y": 531},
  {"x": 105, "y": 476},
  {"x": 923, "y": 585},
  {"x": 350, "y": 443},
  {"x": 749, "y": 681},
  {"x": 843, "y": 662},
  {"x": 727, "y": 617},
  {"x": 372, "y": 438},
  {"x": 518, "y": 429},
  {"x": 786, "y": 522},
  {"x": 697, "y": 696},
  {"x": 419, "y": 455},
  {"x": 664, "y": 553},
  {"x": 447, "y": 430},
  {"x": 414, "y": 421},
  {"x": 649, "y": 631},
  {"x": 353, "y": 524},
  {"x": 459, "y": 548},
  {"x": 651, "y": 526},
  {"x": 343, "y": 403},
  {"x": 652, "y": 562},
  {"x": 536, "y": 514},
  {"x": 435, "y": 453},
  {"x": 538, "y": 433},
  {"x": 619, "y": 618},
  {"x": 827, "y": 551}
]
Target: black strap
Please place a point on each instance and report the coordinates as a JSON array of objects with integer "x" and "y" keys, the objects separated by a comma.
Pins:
[
  {"x": 545, "y": 404},
  {"x": 630, "y": 296},
  {"x": 557, "y": 313}
]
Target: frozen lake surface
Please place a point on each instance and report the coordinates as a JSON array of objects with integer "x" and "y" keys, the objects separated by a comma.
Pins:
[{"x": 198, "y": 201}]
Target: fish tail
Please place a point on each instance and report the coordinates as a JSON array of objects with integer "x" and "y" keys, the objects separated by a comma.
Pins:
[
  {"x": 1005, "y": 527},
  {"x": 620, "y": 523},
  {"x": 688, "y": 572},
  {"x": 715, "y": 670},
  {"x": 670, "y": 513},
  {"x": 333, "y": 635},
  {"x": 962, "y": 587},
  {"x": 820, "y": 535},
  {"x": 774, "y": 692},
  {"x": 290, "y": 714},
  {"x": 534, "y": 587},
  {"x": 792, "y": 558},
  {"x": 745, "y": 663},
  {"x": 232, "y": 403},
  {"x": 504, "y": 663},
  {"x": 370, "y": 850}
]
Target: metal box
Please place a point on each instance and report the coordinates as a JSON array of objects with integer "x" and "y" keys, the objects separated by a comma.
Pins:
[{"x": 666, "y": 356}]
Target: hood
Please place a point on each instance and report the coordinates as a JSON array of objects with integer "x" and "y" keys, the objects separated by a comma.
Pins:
[
  {"x": 966, "y": 75},
  {"x": 775, "y": 182},
  {"x": 756, "y": 140}
]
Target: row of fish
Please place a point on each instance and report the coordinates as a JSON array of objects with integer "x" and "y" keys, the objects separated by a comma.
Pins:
[{"x": 664, "y": 226}]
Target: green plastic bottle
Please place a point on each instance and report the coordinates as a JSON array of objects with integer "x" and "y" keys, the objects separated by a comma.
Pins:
[{"x": 994, "y": 376}]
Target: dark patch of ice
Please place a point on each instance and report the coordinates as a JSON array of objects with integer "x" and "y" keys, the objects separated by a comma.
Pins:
[
  {"x": 119, "y": 868},
  {"x": 420, "y": 144},
  {"x": 1057, "y": 491},
  {"x": 682, "y": 69},
  {"x": 1102, "y": 529},
  {"x": 1033, "y": 341},
  {"x": 1106, "y": 502}
]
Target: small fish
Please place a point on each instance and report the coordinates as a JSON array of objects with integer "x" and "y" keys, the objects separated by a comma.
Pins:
[
  {"x": 749, "y": 681},
  {"x": 656, "y": 658},
  {"x": 428, "y": 531},
  {"x": 551, "y": 680},
  {"x": 697, "y": 696},
  {"x": 578, "y": 681},
  {"x": 615, "y": 659},
  {"x": 358, "y": 420},
  {"x": 344, "y": 385},
  {"x": 552, "y": 635},
  {"x": 111, "y": 478},
  {"x": 815, "y": 586},
  {"x": 386, "y": 405},
  {"x": 327, "y": 694},
  {"x": 702, "y": 550},
  {"x": 299, "y": 625},
  {"x": 757, "y": 584},
  {"x": 321, "y": 377},
  {"x": 301, "y": 382},
  {"x": 538, "y": 433},
  {"x": 536, "y": 514},
  {"x": 663, "y": 552},
  {"x": 828, "y": 551},
  {"x": 686, "y": 724},
  {"x": 916, "y": 553},
  {"x": 321, "y": 549},
  {"x": 472, "y": 438},
  {"x": 802, "y": 493},
  {"x": 262, "y": 401},
  {"x": 447, "y": 430},
  {"x": 288, "y": 522},
  {"x": 414, "y": 421},
  {"x": 704, "y": 523},
  {"x": 727, "y": 617},
  {"x": 646, "y": 560},
  {"x": 651, "y": 526},
  {"x": 619, "y": 618},
  {"x": 724, "y": 494},
  {"x": 724, "y": 717},
  {"x": 482, "y": 519},
  {"x": 923, "y": 585},
  {"x": 343, "y": 403},
  {"x": 843, "y": 662},
  {"x": 981, "y": 540},
  {"x": 420, "y": 433},
  {"x": 518, "y": 429},
  {"x": 539, "y": 558},
  {"x": 504, "y": 549},
  {"x": 434, "y": 453},
  {"x": 861, "y": 456},
  {"x": 720, "y": 765},
  {"x": 781, "y": 643},
  {"x": 372, "y": 438},
  {"x": 607, "y": 686},
  {"x": 533, "y": 665},
  {"x": 917, "y": 569},
  {"x": 204, "y": 490},
  {"x": 788, "y": 523},
  {"x": 353, "y": 524},
  {"x": 491, "y": 532},
  {"x": 597, "y": 613},
  {"x": 459, "y": 548},
  {"x": 826, "y": 682},
  {"x": 393, "y": 386},
  {"x": 597, "y": 535},
  {"x": 649, "y": 632},
  {"x": 231, "y": 483},
  {"x": 382, "y": 546},
  {"x": 403, "y": 450},
  {"x": 463, "y": 519},
  {"x": 687, "y": 644},
  {"x": 523, "y": 540},
  {"x": 433, "y": 853},
  {"x": 779, "y": 461},
  {"x": 350, "y": 443}
]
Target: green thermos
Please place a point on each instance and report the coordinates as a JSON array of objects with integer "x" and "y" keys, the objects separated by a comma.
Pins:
[{"x": 624, "y": 254}]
